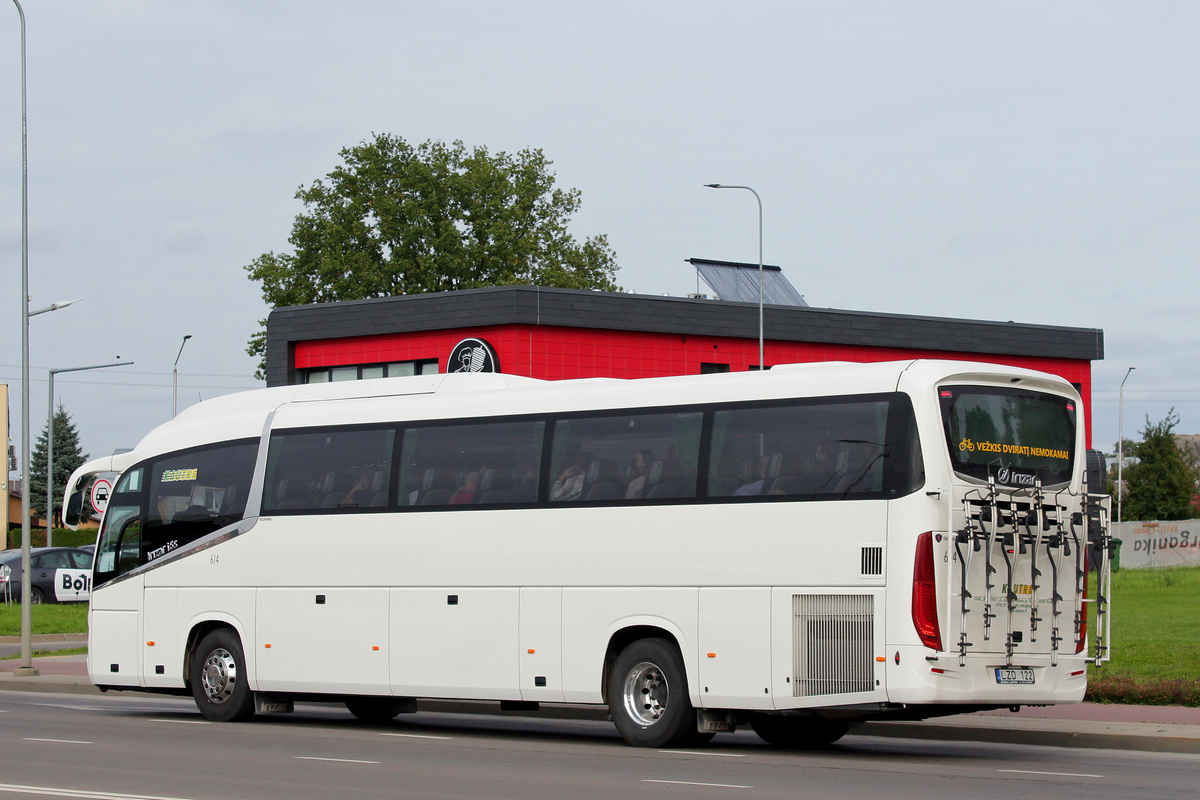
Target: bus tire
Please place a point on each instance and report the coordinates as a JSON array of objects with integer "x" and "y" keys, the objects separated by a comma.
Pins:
[
  {"x": 648, "y": 696},
  {"x": 376, "y": 710},
  {"x": 219, "y": 678},
  {"x": 797, "y": 733}
]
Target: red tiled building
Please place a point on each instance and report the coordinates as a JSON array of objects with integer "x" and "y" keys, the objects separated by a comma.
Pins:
[{"x": 556, "y": 334}]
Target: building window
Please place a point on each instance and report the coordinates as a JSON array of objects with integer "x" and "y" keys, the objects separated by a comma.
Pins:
[
  {"x": 709, "y": 369},
  {"x": 362, "y": 372}
]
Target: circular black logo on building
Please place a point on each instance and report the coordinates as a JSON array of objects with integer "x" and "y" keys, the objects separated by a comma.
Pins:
[{"x": 473, "y": 355}]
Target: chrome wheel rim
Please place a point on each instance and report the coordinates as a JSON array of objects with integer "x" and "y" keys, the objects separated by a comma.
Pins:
[
  {"x": 219, "y": 675},
  {"x": 646, "y": 693}
]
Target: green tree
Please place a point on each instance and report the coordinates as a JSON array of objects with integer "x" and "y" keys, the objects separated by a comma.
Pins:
[
  {"x": 395, "y": 219},
  {"x": 1161, "y": 484},
  {"x": 67, "y": 458}
]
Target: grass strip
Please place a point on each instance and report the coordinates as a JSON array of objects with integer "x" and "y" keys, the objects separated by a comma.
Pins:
[
  {"x": 47, "y": 618},
  {"x": 1155, "y": 639}
]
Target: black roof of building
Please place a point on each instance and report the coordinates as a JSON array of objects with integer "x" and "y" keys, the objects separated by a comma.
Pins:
[{"x": 576, "y": 308}]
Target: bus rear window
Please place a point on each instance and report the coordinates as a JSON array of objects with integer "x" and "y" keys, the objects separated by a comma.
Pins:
[{"x": 1018, "y": 437}]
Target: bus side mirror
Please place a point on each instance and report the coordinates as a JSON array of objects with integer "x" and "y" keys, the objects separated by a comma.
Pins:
[{"x": 71, "y": 514}]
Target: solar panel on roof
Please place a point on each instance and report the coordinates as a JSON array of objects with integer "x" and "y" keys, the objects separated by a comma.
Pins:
[{"x": 738, "y": 283}]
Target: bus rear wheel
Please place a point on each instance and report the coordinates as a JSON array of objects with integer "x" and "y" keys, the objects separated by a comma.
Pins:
[
  {"x": 648, "y": 696},
  {"x": 219, "y": 678},
  {"x": 797, "y": 733},
  {"x": 376, "y": 710}
]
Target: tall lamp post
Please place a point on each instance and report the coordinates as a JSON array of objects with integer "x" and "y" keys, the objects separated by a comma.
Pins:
[
  {"x": 761, "y": 364},
  {"x": 50, "y": 446},
  {"x": 175, "y": 376},
  {"x": 1121, "y": 443},
  {"x": 26, "y": 667}
]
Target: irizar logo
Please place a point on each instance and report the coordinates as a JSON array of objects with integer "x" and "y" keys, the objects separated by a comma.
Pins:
[{"x": 1007, "y": 476}]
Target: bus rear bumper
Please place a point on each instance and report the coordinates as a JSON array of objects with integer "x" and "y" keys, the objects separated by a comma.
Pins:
[{"x": 925, "y": 676}]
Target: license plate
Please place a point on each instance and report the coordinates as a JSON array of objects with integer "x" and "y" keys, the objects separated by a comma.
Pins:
[{"x": 1012, "y": 675}]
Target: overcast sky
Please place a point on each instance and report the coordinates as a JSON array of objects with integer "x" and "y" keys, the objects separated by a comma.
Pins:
[{"x": 1024, "y": 161}]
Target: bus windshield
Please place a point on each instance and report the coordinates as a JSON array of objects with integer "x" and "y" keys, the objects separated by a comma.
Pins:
[{"x": 1018, "y": 437}]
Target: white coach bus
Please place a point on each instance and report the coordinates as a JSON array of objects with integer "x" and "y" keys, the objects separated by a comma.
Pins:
[{"x": 797, "y": 550}]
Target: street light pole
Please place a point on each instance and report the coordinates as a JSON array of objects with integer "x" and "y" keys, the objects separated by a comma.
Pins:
[
  {"x": 50, "y": 446},
  {"x": 175, "y": 376},
  {"x": 1121, "y": 443},
  {"x": 761, "y": 364},
  {"x": 26, "y": 667}
]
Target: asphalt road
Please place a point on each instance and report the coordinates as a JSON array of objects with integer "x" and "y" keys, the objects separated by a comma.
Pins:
[{"x": 117, "y": 746}]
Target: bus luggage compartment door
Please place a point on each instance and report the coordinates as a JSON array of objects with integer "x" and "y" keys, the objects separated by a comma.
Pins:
[
  {"x": 113, "y": 649},
  {"x": 162, "y": 654},
  {"x": 295, "y": 628},
  {"x": 114, "y": 637},
  {"x": 735, "y": 647},
  {"x": 455, "y": 642}
]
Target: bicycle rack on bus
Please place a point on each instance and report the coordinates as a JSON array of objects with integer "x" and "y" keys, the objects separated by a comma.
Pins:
[
  {"x": 1029, "y": 523},
  {"x": 1097, "y": 515}
]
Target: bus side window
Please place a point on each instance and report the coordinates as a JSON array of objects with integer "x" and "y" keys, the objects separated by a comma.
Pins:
[
  {"x": 831, "y": 449},
  {"x": 625, "y": 457},
  {"x": 332, "y": 469},
  {"x": 488, "y": 463},
  {"x": 195, "y": 492}
]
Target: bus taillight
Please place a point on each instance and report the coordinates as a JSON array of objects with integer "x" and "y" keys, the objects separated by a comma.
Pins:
[{"x": 924, "y": 596}]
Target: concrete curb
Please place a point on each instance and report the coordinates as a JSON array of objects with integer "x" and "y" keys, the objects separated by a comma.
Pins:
[
  {"x": 1138, "y": 736},
  {"x": 66, "y": 684}
]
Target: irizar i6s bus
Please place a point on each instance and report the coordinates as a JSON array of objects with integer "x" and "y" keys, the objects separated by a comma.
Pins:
[{"x": 797, "y": 550}]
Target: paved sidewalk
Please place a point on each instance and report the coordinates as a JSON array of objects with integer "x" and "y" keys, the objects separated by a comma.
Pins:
[{"x": 1167, "y": 729}]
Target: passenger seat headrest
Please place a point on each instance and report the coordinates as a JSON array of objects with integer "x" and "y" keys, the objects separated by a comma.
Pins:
[{"x": 776, "y": 464}]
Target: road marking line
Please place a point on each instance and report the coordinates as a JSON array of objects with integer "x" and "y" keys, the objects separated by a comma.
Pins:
[
  {"x": 81, "y": 793},
  {"x": 184, "y": 721},
  {"x": 59, "y": 741},
  {"x": 700, "y": 753},
  {"x": 1063, "y": 774},
  {"x": 416, "y": 736},
  {"x": 345, "y": 760},
  {"x": 694, "y": 783}
]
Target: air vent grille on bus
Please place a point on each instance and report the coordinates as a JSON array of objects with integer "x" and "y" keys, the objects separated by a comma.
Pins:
[
  {"x": 832, "y": 644},
  {"x": 872, "y": 560}
]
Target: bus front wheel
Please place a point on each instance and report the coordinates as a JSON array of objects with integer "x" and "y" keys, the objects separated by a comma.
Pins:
[
  {"x": 219, "y": 678},
  {"x": 648, "y": 696}
]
